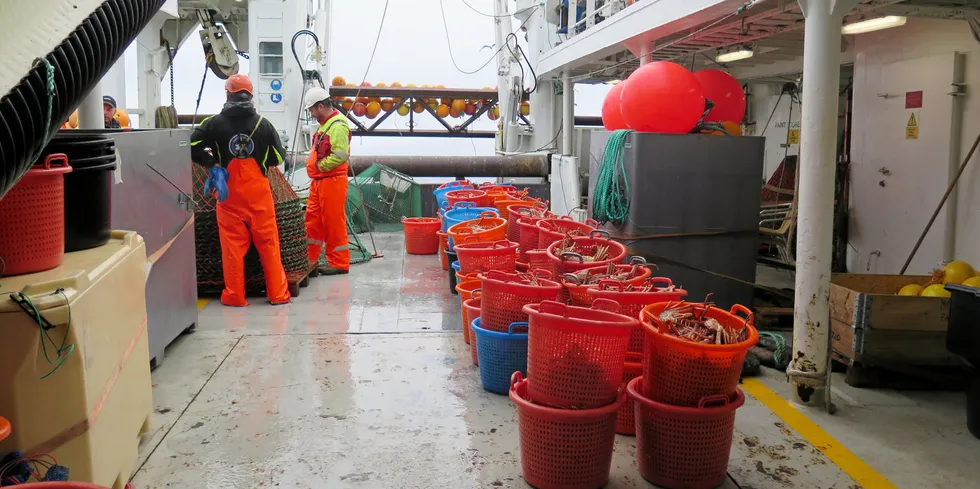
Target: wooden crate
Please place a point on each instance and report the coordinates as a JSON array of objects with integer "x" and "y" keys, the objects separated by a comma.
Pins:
[{"x": 873, "y": 327}]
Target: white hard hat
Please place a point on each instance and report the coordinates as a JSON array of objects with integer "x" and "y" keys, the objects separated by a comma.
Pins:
[{"x": 314, "y": 96}]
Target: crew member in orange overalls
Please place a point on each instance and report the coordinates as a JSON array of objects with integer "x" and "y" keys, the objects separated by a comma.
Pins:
[
  {"x": 326, "y": 219},
  {"x": 238, "y": 146}
]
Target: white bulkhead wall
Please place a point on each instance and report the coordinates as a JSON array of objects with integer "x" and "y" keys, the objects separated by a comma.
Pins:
[
  {"x": 277, "y": 79},
  {"x": 915, "y": 172}
]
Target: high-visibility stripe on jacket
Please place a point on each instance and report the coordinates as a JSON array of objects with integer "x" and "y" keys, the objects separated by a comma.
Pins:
[{"x": 331, "y": 148}]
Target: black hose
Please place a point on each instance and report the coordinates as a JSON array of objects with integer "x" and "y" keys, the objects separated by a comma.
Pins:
[{"x": 31, "y": 113}]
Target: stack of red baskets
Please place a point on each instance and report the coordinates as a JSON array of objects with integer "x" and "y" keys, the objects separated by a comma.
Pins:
[
  {"x": 506, "y": 294},
  {"x": 685, "y": 401},
  {"x": 632, "y": 298},
  {"x": 567, "y": 406}
]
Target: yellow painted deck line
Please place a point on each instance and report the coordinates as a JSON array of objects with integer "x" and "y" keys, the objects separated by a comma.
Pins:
[
  {"x": 846, "y": 460},
  {"x": 201, "y": 303}
]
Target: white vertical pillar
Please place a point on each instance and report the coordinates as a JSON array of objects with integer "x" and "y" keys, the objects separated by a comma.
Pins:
[
  {"x": 808, "y": 371},
  {"x": 90, "y": 113},
  {"x": 152, "y": 62},
  {"x": 505, "y": 85},
  {"x": 567, "y": 114}
]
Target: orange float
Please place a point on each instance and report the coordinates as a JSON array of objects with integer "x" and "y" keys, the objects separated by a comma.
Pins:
[
  {"x": 387, "y": 104},
  {"x": 347, "y": 104},
  {"x": 442, "y": 111},
  {"x": 373, "y": 109},
  {"x": 338, "y": 81},
  {"x": 360, "y": 109}
]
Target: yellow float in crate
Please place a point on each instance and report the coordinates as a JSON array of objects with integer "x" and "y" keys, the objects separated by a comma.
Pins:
[{"x": 90, "y": 412}]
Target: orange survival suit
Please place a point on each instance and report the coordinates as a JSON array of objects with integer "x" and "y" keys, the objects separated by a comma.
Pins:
[
  {"x": 326, "y": 219},
  {"x": 245, "y": 144}
]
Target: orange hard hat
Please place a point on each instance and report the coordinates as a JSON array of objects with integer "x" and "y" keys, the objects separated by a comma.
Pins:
[
  {"x": 238, "y": 83},
  {"x": 123, "y": 117}
]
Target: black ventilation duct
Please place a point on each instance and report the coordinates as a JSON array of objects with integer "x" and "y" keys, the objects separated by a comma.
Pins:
[{"x": 79, "y": 62}]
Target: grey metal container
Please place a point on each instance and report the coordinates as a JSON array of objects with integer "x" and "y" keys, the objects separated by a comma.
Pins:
[{"x": 694, "y": 199}]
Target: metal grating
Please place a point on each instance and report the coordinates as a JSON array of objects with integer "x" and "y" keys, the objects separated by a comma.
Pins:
[{"x": 773, "y": 28}]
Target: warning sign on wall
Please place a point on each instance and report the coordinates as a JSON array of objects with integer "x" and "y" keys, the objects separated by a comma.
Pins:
[
  {"x": 794, "y": 136},
  {"x": 912, "y": 126}
]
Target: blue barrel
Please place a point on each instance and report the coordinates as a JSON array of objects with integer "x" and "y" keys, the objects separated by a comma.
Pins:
[
  {"x": 500, "y": 355},
  {"x": 440, "y": 193}
]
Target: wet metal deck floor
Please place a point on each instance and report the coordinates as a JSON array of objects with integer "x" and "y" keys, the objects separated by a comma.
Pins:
[{"x": 365, "y": 382}]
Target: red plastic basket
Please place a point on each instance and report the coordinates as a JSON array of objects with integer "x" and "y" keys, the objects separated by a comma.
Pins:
[
  {"x": 64, "y": 485},
  {"x": 576, "y": 354},
  {"x": 529, "y": 234},
  {"x": 506, "y": 294},
  {"x": 471, "y": 311},
  {"x": 495, "y": 229},
  {"x": 519, "y": 210},
  {"x": 632, "y": 369},
  {"x": 477, "y": 197},
  {"x": 421, "y": 235},
  {"x": 551, "y": 230},
  {"x": 581, "y": 294},
  {"x": 538, "y": 260},
  {"x": 571, "y": 262},
  {"x": 443, "y": 246},
  {"x": 32, "y": 219},
  {"x": 684, "y": 447},
  {"x": 466, "y": 288},
  {"x": 564, "y": 448},
  {"x": 483, "y": 257},
  {"x": 680, "y": 372},
  {"x": 631, "y": 303}
]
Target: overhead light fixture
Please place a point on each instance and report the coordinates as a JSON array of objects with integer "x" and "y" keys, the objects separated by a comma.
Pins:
[
  {"x": 613, "y": 82},
  {"x": 736, "y": 55},
  {"x": 871, "y": 25}
]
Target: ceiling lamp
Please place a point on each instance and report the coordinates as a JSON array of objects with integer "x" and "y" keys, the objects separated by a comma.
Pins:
[
  {"x": 871, "y": 25},
  {"x": 736, "y": 55},
  {"x": 613, "y": 82}
]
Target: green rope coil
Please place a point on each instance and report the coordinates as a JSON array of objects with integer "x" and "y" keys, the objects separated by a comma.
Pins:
[
  {"x": 778, "y": 356},
  {"x": 52, "y": 90},
  {"x": 611, "y": 197}
]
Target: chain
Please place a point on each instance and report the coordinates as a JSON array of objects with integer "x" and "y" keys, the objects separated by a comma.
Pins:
[
  {"x": 241, "y": 53},
  {"x": 171, "y": 53}
]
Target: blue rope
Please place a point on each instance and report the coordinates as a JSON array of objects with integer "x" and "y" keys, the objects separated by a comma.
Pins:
[{"x": 611, "y": 197}]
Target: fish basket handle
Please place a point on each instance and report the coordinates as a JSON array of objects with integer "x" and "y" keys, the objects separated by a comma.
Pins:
[
  {"x": 604, "y": 304},
  {"x": 748, "y": 316}
]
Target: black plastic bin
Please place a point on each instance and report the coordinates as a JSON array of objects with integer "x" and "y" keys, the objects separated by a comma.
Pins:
[
  {"x": 963, "y": 339},
  {"x": 452, "y": 273},
  {"x": 88, "y": 190}
]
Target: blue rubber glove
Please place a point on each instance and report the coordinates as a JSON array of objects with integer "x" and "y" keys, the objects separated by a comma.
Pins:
[{"x": 218, "y": 181}]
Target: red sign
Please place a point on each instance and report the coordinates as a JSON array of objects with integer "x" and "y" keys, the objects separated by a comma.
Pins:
[{"x": 913, "y": 100}]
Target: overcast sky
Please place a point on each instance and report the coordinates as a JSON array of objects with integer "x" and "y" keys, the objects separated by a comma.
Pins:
[{"x": 412, "y": 49}]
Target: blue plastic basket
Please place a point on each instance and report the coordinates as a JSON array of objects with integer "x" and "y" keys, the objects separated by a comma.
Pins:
[
  {"x": 440, "y": 193},
  {"x": 500, "y": 355}
]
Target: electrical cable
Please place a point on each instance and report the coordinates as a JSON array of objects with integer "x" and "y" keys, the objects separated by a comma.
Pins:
[
  {"x": 745, "y": 6},
  {"x": 492, "y": 16},
  {"x": 445, "y": 25},
  {"x": 44, "y": 326},
  {"x": 197, "y": 106}
]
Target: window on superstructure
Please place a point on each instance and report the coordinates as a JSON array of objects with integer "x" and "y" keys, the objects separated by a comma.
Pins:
[{"x": 270, "y": 58}]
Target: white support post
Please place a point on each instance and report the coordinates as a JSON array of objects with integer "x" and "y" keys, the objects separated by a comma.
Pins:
[
  {"x": 505, "y": 96},
  {"x": 152, "y": 62},
  {"x": 90, "y": 113},
  {"x": 567, "y": 114},
  {"x": 809, "y": 368}
]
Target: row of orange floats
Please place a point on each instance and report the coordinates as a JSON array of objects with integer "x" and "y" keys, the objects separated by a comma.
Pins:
[{"x": 372, "y": 107}]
